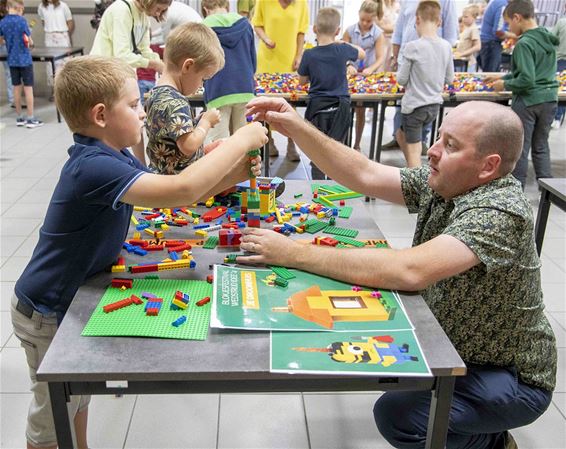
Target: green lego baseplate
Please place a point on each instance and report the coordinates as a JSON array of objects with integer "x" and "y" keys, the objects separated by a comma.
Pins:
[
  {"x": 341, "y": 231},
  {"x": 349, "y": 241},
  {"x": 211, "y": 242},
  {"x": 345, "y": 212},
  {"x": 131, "y": 321},
  {"x": 282, "y": 272},
  {"x": 313, "y": 225}
]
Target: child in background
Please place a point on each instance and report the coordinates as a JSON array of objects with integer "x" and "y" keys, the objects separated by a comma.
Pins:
[
  {"x": 426, "y": 66},
  {"x": 233, "y": 86},
  {"x": 533, "y": 84},
  {"x": 367, "y": 35},
  {"x": 7, "y": 78},
  {"x": 559, "y": 31},
  {"x": 147, "y": 77},
  {"x": 469, "y": 43},
  {"x": 324, "y": 66},
  {"x": 59, "y": 26},
  {"x": 17, "y": 35},
  {"x": 175, "y": 139},
  {"x": 98, "y": 185}
]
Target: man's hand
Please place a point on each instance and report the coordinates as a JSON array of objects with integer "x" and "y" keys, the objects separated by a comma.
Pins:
[
  {"x": 277, "y": 112},
  {"x": 499, "y": 85},
  {"x": 270, "y": 247}
]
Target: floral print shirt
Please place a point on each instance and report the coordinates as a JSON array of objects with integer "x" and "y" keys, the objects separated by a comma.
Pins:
[
  {"x": 492, "y": 313},
  {"x": 168, "y": 118}
]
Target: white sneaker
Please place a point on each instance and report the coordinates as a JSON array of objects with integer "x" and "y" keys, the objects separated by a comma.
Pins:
[{"x": 555, "y": 124}]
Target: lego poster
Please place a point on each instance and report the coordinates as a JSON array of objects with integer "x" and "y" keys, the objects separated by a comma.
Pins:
[
  {"x": 293, "y": 300},
  {"x": 395, "y": 353}
]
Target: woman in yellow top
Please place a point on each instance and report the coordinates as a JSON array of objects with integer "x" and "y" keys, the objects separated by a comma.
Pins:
[{"x": 281, "y": 26}]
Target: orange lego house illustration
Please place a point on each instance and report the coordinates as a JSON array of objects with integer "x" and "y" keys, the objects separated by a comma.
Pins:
[{"x": 331, "y": 306}]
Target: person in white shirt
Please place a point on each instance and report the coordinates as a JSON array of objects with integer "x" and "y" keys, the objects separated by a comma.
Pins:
[{"x": 178, "y": 14}]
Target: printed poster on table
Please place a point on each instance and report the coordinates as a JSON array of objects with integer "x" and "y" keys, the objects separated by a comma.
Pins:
[
  {"x": 395, "y": 353},
  {"x": 247, "y": 298}
]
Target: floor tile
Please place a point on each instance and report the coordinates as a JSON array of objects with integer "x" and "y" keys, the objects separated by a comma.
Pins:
[
  {"x": 550, "y": 272},
  {"x": 554, "y": 296},
  {"x": 19, "y": 226},
  {"x": 262, "y": 421},
  {"x": 13, "y": 268},
  {"x": 559, "y": 331},
  {"x": 27, "y": 246},
  {"x": 561, "y": 371},
  {"x": 9, "y": 195},
  {"x": 6, "y": 290},
  {"x": 13, "y": 418},
  {"x": 342, "y": 421},
  {"x": 109, "y": 419},
  {"x": 560, "y": 317},
  {"x": 559, "y": 400},
  {"x": 539, "y": 436},
  {"x": 14, "y": 371},
  {"x": 174, "y": 421},
  {"x": 6, "y": 329},
  {"x": 10, "y": 244},
  {"x": 26, "y": 211}
]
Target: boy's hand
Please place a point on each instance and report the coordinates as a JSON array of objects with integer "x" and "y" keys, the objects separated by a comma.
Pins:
[
  {"x": 254, "y": 135},
  {"x": 367, "y": 72},
  {"x": 492, "y": 78},
  {"x": 212, "y": 116},
  {"x": 351, "y": 70},
  {"x": 499, "y": 86},
  {"x": 277, "y": 112}
]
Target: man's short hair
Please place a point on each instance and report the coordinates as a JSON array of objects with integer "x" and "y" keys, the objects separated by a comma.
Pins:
[
  {"x": 373, "y": 7},
  {"x": 328, "y": 21},
  {"x": 84, "y": 82},
  {"x": 195, "y": 41},
  {"x": 501, "y": 133},
  {"x": 524, "y": 8},
  {"x": 429, "y": 11},
  {"x": 213, "y": 4}
]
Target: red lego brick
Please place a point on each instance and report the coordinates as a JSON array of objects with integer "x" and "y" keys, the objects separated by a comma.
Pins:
[
  {"x": 203, "y": 301},
  {"x": 119, "y": 283}
]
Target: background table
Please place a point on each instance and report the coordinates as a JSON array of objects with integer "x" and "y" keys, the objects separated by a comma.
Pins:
[
  {"x": 50, "y": 55},
  {"x": 553, "y": 191},
  {"x": 77, "y": 365}
]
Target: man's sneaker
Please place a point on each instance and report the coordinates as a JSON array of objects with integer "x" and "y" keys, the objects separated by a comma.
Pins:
[
  {"x": 555, "y": 124},
  {"x": 20, "y": 121},
  {"x": 292, "y": 153},
  {"x": 391, "y": 145},
  {"x": 33, "y": 123}
]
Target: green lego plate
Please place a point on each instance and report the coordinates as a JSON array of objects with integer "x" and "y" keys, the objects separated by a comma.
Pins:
[{"x": 131, "y": 321}]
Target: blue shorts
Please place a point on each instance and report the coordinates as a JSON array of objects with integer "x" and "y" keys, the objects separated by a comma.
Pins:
[{"x": 22, "y": 75}]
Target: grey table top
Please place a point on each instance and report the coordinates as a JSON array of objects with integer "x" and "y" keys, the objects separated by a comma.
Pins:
[
  {"x": 73, "y": 358},
  {"x": 48, "y": 52},
  {"x": 555, "y": 185}
]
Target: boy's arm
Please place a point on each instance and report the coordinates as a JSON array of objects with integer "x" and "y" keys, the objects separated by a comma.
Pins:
[
  {"x": 449, "y": 74},
  {"x": 190, "y": 142},
  {"x": 303, "y": 69},
  {"x": 404, "y": 69},
  {"x": 346, "y": 38},
  {"x": 226, "y": 166}
]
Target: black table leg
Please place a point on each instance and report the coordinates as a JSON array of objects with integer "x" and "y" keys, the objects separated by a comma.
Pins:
[
  {"x": 375, "y": 112},
  {"x": 53, "y": 73},
  {"x": 542, "y": 218},
  {"x": 380, "y": 131},
  {"x": 63, "y": 429},
  {"x": 439, "y": 411}
]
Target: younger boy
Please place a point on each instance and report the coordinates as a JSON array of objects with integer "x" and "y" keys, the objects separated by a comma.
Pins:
[
  {"x": 469, "y": 43},
  {"x": 426, "y": 66},
  {"x": 233, "y": 86},
  {"x": 533, "y": 84},
  {"x": 192, "y": 54},
  {"x": 15, "y": 31},
  {"x": 100, "y": 182},
  {"x": 325, "y": 67}
]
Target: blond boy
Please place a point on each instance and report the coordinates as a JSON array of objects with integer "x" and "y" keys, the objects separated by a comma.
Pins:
[
  {"x": 100, "y": 182},
  {"x": 175, "y": 138}
]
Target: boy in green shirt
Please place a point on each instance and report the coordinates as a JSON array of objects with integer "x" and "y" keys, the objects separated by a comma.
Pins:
[
  {"x": 559, "y": 31},
  {"x": 533, "y": 84}
]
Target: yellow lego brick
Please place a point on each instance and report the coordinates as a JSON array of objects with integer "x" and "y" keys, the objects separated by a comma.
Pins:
[
  {"x": 118, "y": 268},
  {"x": 287, "y": 217},
  {"x": 320, "y": 215},
  {"x": 167, "y": 260},
  {"x": 209, "y": 202},
  {"x": 278, "y": 216},
  {"x": 164, "y": 227},
  {"x": 158, "y": 234},
  {"x": 186, "y": 254},
  {"x": 140, "y": 209},
  {"x": 202, "y": 233},
  {"x": 173, "y": 265},
  {"x": 137, "y": 235},
  {"x": 149, "y": 231},
  {"x": 167, "y": 211},
  {"x": 180, "y": 304},
  {"x": 134, "y": 220},
  {"x": 123, "y": 287},
  {"x": 196, "y": 220}
]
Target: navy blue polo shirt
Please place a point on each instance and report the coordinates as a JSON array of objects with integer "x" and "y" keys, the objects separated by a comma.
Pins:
[
  {"x": 84, "y": 227},
  {"x": 12, "y": 29},
  {"x": 325, "y": 66}
]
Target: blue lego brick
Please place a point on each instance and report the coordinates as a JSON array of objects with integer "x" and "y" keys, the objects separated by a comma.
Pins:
[
  {"x": 173, "y": 255},
  {"x": 142, "y": 226},
  {"x": 179, "y": 321},
  {"x": 201, "y": 226}
]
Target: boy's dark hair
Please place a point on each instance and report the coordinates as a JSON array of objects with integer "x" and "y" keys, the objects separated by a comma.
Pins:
[
  {"x": 327, "y": 21},
  {"x": 429, "y": 10},
  {"x": 524, "y": 8}
]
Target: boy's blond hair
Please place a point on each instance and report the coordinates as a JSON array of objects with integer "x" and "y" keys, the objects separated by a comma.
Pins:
[
  {"x": 327, "y": 21},
  {"x": 84, "y": 82},
  {"x": 15, "y": 3},
  {"x": 148, "y": 4},
  {"x": 373, "y": 7},
  {"x": 429, "y": 10},
  {"x": 213, "y": 4},
  {"x": 195, "y": 41},
  {"x": 473, "y": 10}
]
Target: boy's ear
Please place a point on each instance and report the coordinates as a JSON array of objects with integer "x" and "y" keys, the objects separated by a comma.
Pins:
[
  {"x": 315, "y": 29},
  {"x": 337, "y": 32},
  {"x": 98, "y": 115},
  {"x": 187, "y": 64}
]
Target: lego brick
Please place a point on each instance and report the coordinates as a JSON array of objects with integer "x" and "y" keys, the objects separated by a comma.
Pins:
[
  {"x": 282, "y": 272},
  {"x": 345, "y": 212},
  {"x": 349, "y": 241},
  {"x": 341, "y": 231},
  {"x": 211, "y": 242}
]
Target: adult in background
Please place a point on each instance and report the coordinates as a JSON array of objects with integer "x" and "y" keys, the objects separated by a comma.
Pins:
[
  {"x": 281, "y": 26},
  {"x": 387, "y": 25},
  {"x": 473, "y": 260},
  {"x": 123, "y": 33},
  {"x": 492, "y": 33}
]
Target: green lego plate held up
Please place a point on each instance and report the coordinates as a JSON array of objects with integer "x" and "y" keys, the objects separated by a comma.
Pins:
[{"x": 131, "y": 321}]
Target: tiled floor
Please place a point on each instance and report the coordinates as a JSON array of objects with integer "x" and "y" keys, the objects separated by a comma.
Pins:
[{"x": 30, "y": 161}]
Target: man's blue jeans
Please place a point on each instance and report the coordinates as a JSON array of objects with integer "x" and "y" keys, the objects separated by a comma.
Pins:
[
  {"x": 490, "y": 56},
  {"x": 487, "y": 402}
]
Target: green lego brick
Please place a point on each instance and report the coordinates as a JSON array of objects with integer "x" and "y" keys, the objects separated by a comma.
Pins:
[
  {"x": 211, "y": 242},
  {"x": 132, "y": 321},
  {"x": 341, "y": 245},
  {"x": 313, "y": 226},
  {"x": 281, "y": 282},
  {"x": 341, "y": 231},
  {"x": 282, "y": 272},
  {"x": 231, "y": 258},
  {"x": 349, "y": 241},
  {"x": 382, "y": 244},
  {"x": 345, "y": 212}
]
